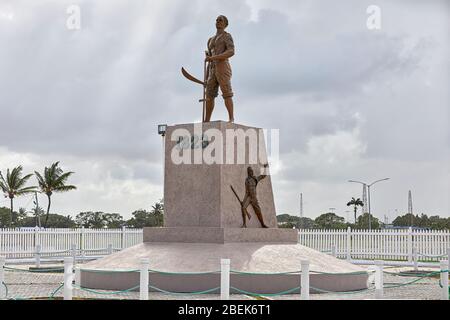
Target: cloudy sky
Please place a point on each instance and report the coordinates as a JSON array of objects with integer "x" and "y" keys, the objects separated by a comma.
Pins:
[{"x": 350, "y": 102}]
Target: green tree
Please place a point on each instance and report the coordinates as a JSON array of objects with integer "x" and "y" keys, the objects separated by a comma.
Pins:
[
  {"x": 99, "y": 220},
  {"x": 289, "y": 221},
  {"x": 5, "y": 217},
  {"x": 54, "y": 221},
  {"x": 53, "y": 180},
  {"x": 14, "y": 186},
  {"x": 330, "y": 220},
  {"x": 363, "y": 221},
  {"x": 143, "y": 218},
  {"x": 355, "y": 203}
]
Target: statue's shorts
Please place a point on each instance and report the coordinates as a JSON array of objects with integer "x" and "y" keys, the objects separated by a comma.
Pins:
[{"x": 219, "y": 76}]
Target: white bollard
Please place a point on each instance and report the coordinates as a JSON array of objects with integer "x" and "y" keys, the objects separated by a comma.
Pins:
[
  {"x": 73, "y": 252},
  {"x": 68, "y": 278},
  {"x": 37, "y": 256},
  {"x": 110, "y": 248},
  {"x": 77, "y": 277},
  {"x": 2, "y": 278},
  {"x": 225, "y": 279},
  {"x": 444, "y": 280},
  {"x": 349, "y": 244},
  {"x": 415, "y": 259},
  {"x": 143, "y": 283},
  {"x": 334, "y": 251},
  {"x": 304, "y": 285},
  {"x": 379, "y": 279}
]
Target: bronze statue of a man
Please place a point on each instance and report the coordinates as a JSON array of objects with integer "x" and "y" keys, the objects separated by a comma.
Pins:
[
  {"x": 220, "y": 49},
  {"x": 250, "y": 197}
]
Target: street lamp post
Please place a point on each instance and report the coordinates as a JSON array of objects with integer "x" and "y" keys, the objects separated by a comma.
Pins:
[
  {"x": 162, "y": 132},
  {"x": 368, "y": 195}
]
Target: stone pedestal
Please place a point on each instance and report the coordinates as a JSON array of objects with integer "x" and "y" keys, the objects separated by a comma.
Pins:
[
  {"x": 202, "y": 162},
  {"x": 198, "y": 193}
]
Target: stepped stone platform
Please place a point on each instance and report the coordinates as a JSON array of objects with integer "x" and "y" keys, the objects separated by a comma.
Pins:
[
  {"x": 265, "y": 266},
  {"x": 202, "y": 225}
]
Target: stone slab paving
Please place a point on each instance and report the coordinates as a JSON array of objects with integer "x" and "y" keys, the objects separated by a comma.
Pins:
[{"x": 26, "y": 285}]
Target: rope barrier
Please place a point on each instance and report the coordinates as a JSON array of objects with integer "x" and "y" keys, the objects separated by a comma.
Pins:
[
  {"x": 52, "y": 295},
  {"x": 344, "y": 273},
  {"x": 32, "y": 271},
  {"x": 432, "y": 256},
  {"x": 184, "y": 293},
  {"x": 265, "y": 273},
  {"x": 420, "y": 277},
  {"x": 266, "y": 294},
  {"x": 184, "y": 273},
  {"x": 109, "y": 271},
  {"x": 106, "y": 293},
  {"x": 6, "y": 290},
  {"x": 342, "y": 292}
]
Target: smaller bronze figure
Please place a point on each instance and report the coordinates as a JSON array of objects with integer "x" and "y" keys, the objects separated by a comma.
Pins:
[{"x": 250, "y": 197}]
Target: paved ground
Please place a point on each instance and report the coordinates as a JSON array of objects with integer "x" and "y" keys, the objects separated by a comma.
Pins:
[{"x": 25, "y": 285}]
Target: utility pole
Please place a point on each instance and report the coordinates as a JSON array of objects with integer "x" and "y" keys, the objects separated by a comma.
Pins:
[
  {"x": 410, "y": 208},
  {"x": 301, "y": 211}
]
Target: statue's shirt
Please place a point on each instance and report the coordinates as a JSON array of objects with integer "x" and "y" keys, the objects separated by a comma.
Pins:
[
  {"x": 250, "y": 186},
  {"x": 220, "y": 43}
]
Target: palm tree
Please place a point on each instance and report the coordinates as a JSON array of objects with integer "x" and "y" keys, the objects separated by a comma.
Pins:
[
  {"x": 53, "y": 180},
  {"x": 13, "y": 186},
  {"x": 355, "y": 202}
]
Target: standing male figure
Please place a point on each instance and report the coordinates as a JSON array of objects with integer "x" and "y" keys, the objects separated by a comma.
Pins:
[
  {"x": 220, "y": 49},
  {"x": 250, "y": 197}
]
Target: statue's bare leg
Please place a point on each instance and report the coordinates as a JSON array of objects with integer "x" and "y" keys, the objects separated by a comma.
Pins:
[
  {"x": 245, "y": 214},
  {"x": 229, "y": 105},
  {"x": 258, "y": 213},
  {"x": 209, "y": 109}
]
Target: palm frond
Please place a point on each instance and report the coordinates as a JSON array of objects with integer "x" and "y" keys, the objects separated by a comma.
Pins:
[
  {"x": 25, "y": 191},
  {"x": 63, "y": 178},
  {"x": 22, "y": 181},
  {"x": 64, "y": 188}
]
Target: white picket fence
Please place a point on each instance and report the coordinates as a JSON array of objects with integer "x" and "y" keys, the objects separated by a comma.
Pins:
[
  {"x": 48, "y": 243},
  {"x": 385, "y": 244},
  {"x": 403, "y": 246}
]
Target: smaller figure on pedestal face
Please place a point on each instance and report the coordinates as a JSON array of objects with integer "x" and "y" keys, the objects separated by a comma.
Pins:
[
  {"x": 220, "y": 49},
  {"x": 250, "y": 197}
]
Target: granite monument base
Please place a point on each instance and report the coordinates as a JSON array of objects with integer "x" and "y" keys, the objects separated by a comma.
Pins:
[{"x": 256, "y": 267}]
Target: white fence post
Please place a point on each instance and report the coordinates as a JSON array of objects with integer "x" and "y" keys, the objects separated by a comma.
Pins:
[
  {"x": 349, "y": 244},
  {"x": 410, "y": 244},
  {"x": 143, "y": 283},
  {"x": 333, "y": 251},
  {"x": 224, "y": 279},
  {"x": 36, "y": 236},
  {"x": 304, "y": 285},
  {"x": 68, "y": 278},
  {"x": 73, "y": 252},
  {"x": 37, "y": 256},
  {"x": 379, "y": 279},
  {"x": 110, "y": 248},
  {"x": 444, "y": 280},
  {"x": 415, "y": 259},
  {"x": 82, "y": 240},
  {"x": 122, "y": 238},
  {"x": 2, "y": 278}
]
